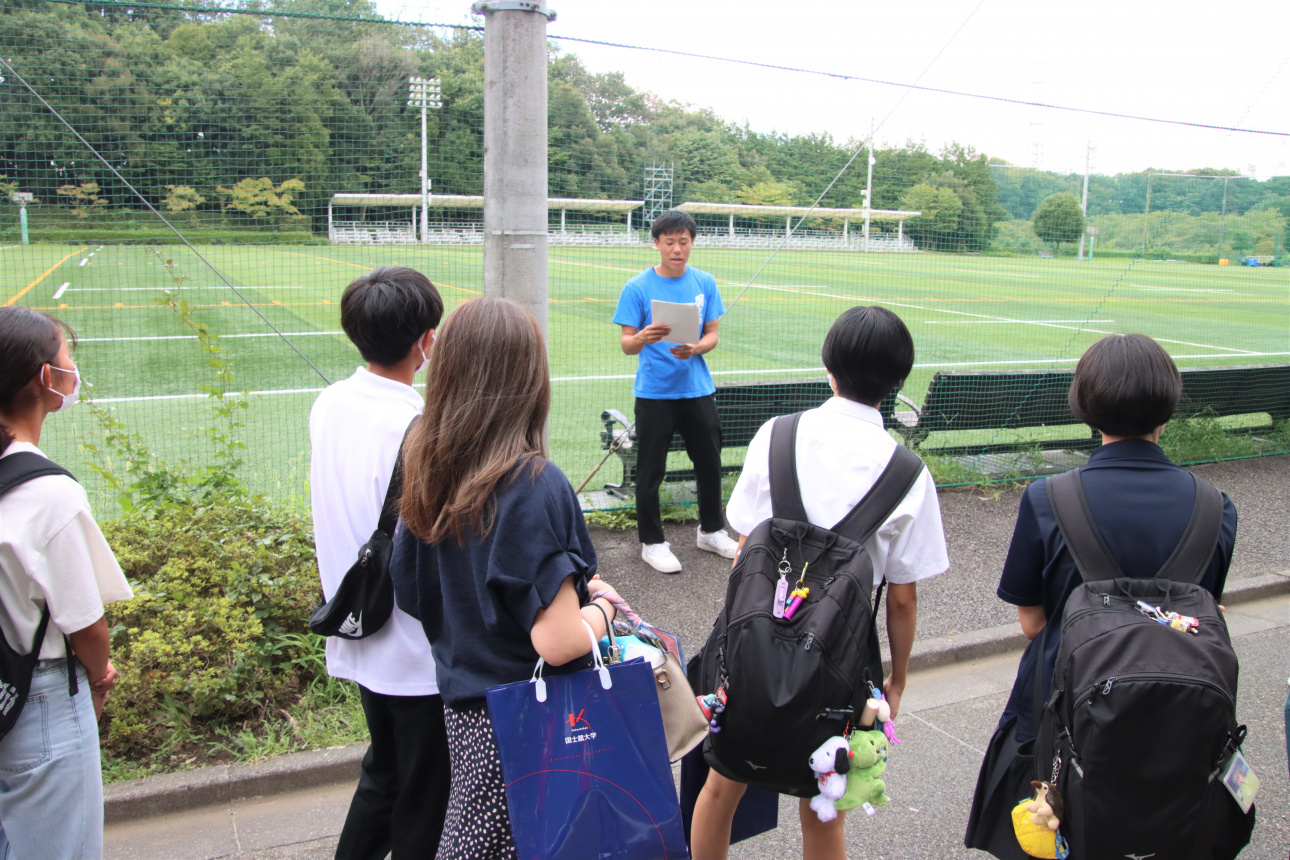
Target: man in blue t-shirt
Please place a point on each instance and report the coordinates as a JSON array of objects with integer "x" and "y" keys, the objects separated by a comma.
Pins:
[{"x": 674, "y": 390}]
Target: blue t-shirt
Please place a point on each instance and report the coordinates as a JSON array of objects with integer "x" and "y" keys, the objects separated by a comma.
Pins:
[
  {"x": 1141, "y": 503},
  {"x": 477, "y": 602},
  {"x": 659, "y": 374}
]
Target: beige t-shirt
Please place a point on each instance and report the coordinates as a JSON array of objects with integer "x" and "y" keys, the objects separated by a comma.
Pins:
[{"x": 52, "y": 550}]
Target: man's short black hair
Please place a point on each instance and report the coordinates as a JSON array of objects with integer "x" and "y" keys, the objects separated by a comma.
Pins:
[
  {"x": 1125, "y": 385},
  {"x": 386, "y": 310},
  {"x": 869, "y": 351},
  {"x": 674, "y": 221}
]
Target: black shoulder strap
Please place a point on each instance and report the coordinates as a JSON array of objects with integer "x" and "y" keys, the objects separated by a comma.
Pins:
[
  {"x": 895, "y": 482},
  {"x": 785, "y": 492},
  {"x": 390, "y": 507},
  {"x": 1189, "y": 560},
  {"x": 23, "y": 466},
  {"x": 1075, "y": 521}
]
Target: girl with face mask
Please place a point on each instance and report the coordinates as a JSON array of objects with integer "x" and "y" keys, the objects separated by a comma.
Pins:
[{"x": 56, "y": 573}]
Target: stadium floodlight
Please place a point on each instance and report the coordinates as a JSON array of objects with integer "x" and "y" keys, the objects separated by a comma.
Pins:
[{"x": 424, "y": 93}]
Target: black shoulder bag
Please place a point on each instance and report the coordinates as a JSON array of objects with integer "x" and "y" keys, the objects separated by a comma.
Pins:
[
  {"x": 16, "y": 669},
  {"x": 365, "y": 599}
]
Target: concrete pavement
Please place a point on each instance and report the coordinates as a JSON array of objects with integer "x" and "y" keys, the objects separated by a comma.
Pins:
[{"x": 949, "y": 713}]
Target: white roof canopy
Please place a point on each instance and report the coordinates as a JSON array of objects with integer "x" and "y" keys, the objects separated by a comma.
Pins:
[
  {"x": 751, "y": 210},
  {"x": 474, "y": 201}
]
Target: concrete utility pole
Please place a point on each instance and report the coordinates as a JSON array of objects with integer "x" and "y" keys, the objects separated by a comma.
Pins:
[
  {"x": 868, "y": 187},
  {"x": 515, "y": 165}
]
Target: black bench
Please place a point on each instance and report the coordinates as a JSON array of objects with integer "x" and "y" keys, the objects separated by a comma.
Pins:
[
  {"x": 743, "y": 408},
  {"x": 1018, "y": 399}
]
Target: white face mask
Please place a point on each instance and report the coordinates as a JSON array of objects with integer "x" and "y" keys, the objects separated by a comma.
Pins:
[
  {"x": 425, "y": 360},
  {"x": 69, "y": 400}
]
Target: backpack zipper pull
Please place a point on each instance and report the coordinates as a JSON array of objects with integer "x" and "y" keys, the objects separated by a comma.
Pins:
[
  {"x": 781, "y": 587},
  {"x": 1106, "y": 688},
  {"x": 810, "y": 640},
  {"x": 1106, "y": 599}
]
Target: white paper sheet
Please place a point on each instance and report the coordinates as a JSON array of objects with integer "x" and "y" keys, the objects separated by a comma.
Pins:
[{"x": 682, "y": 317}]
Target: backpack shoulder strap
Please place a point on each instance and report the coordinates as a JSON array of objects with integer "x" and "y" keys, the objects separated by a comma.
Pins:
[
  {"x": 1190, "y": 559},
  {"x": 23, "y": 466},
  {"x": 1075, "y": 521},
  {"x": 895, "y": 482},
  {"x": 394, "y": 493},
  {"x": 785, "y": 492}
]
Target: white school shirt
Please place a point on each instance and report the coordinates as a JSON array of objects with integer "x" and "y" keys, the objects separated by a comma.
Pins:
[
  {"x": 841, "y": 449},
  {"x": 355, "y": 428},
  {"x": 51, "y": 549}
]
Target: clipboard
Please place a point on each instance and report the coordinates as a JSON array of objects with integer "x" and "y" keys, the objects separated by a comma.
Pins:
[{"x": 682, "y": 317}]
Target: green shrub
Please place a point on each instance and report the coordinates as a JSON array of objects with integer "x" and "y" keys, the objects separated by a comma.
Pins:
[{"x": 214, "y": 634}]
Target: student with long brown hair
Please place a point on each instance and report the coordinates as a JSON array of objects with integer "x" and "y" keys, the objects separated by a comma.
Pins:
[{"x": 493, "y": 555}]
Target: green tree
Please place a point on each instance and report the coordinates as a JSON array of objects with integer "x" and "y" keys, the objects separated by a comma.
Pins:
[
  {"x": 934, "y": 229},
  {"x": 768, "y": 194},
  {"x": 260, "y": 198},
  {"x": 182, "y": 199},
  {"x": 1059, "y": 219},
  {"x": 84, "y": 198}
]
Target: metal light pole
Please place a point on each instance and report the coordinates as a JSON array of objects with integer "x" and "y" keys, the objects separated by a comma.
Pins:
[
  {"x": 515, "y": 152},
  {"x": 424, "y": 93},
  {"x": 868, "y": 188},
  {"x": 1088, "y": 156}
]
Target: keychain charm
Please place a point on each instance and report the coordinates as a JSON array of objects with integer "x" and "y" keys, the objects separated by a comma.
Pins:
[{"x": 781, "y": 588}]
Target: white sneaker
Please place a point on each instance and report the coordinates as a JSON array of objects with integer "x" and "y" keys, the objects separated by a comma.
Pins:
[
  {"x": 659, "y": 556},
  {"x": 719, "y": 542}
]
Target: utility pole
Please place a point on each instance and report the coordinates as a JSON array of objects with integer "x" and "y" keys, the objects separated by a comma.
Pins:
[
  {"x": 1088, "y": 154},
  {"x": 424, "y": 92},
  {"x": 868, "y": 188},
  {"x": 515, "y": 166}
]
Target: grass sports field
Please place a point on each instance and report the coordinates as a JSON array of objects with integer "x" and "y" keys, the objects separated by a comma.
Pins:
[{"x": 965, "y": 312}]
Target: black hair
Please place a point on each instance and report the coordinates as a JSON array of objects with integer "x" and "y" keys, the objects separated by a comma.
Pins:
[
  {"x": 869, "y": 351},
  {"x": 386, "y": 310},
  {"x": 28, "y": 341},
  {"x": 674, "y": 221},
  {"x": 1125, "y": 385}
]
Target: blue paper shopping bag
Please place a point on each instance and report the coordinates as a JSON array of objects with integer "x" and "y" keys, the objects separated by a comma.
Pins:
[{"x": 586, "y": 766}]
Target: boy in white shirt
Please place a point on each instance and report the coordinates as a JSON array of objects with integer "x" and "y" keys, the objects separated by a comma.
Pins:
[
  {"x": 841, "y": 450},
  {"x": 355, "y": 429}
]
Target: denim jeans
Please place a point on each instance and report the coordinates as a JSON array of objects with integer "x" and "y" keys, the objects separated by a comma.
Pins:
[{"x": 51, "y": 784}]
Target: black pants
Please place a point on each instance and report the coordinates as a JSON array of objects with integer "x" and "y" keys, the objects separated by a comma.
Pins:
[
  {"x": 402, "y": 794},
  {"x": 695, "y": 418}
]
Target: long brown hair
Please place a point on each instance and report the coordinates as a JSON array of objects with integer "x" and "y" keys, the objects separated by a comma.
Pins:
[{"x": 488, "y": 393}]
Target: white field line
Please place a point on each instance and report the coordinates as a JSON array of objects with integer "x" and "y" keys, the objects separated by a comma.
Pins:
[
  {"x": 159, "y": 289},
  {"x": 813, "y": 370},
  {"x": 58, "y": 294},
  {"x": 83, "y": 261},
  {"x": 1181, "y": 289},
  {"x": 194, "y": 337},
  {"x": 1000, "y": 319},
  {"x": 7, "y": 247},
  {"x": 1003, "y": 322}
]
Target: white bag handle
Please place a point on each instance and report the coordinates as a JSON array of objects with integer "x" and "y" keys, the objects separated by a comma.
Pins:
[{"x": 605, "y": 681}]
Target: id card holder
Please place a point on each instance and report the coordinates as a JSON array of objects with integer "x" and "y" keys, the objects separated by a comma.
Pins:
[{"x": 1239, "y": 780}]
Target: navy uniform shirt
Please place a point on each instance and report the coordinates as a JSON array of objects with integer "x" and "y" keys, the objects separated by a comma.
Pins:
[
  {"x": 1141, "y": 503},
  {"x": 478, "y": 601}
]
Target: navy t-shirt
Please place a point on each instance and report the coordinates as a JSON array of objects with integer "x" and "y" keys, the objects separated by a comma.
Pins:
[
  {"x": 478, "y": 601},
  {"x": 1141, "y": 504}
]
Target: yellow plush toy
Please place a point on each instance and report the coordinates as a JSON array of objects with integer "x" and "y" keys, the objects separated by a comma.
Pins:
[{"x": 1035, "y": 823}]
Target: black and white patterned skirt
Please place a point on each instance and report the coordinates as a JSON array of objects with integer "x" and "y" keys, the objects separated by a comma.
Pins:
[{"x": 477, "y": 826}]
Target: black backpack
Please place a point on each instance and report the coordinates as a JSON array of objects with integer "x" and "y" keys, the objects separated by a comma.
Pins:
[
  {"x": 16, "y": 669},
  {"x": 790, "y": 684},
  {"x": 1141, "y": 715}
]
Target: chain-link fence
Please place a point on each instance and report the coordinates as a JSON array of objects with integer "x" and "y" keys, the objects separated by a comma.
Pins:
[{"x": 286, "y": 147}]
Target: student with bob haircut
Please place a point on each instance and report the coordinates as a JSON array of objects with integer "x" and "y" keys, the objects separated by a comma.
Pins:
[
  {"x": 56, "y": 572},
  {"x": 1126, "y": 387},
  {"x": 842, "y": 448},
  {"x": 493, "y": 557},
  {"x": 355, "y": 429}
]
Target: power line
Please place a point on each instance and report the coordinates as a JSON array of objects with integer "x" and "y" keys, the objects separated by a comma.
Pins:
[
  {"x": 163, "y": 218},
  {"x": 257, "y": 13},
  {"x": 922, "y": 88}
]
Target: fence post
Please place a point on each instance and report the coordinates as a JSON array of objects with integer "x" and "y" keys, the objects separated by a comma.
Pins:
[{"x": 515, "y": 161}]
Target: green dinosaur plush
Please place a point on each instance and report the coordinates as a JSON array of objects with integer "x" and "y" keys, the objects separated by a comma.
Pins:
[{"x": 868, "y": 762}]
